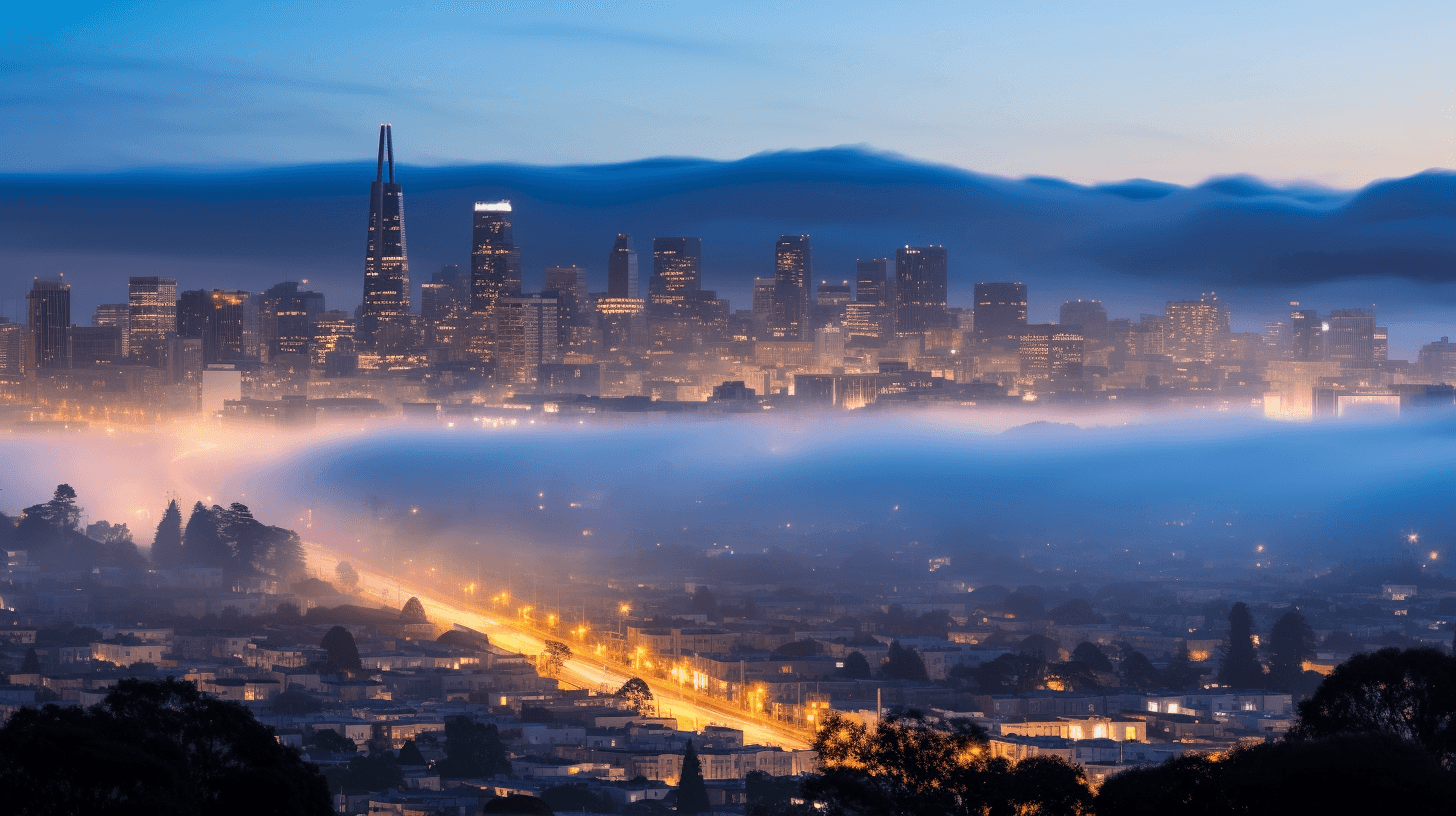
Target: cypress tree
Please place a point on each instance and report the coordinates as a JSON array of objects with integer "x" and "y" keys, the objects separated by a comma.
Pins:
[
  {"x": 1241, "y": 668},
  {"x": 167, "y": 545},
  {"x": 692, "y": 791},
  {"x": 1290, "y": 643}
]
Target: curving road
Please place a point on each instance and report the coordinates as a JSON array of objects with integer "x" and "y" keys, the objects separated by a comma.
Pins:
[{"x": 691, "y": 711}]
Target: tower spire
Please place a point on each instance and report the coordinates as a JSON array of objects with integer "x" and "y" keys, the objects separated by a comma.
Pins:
[
  {"x": 379, "y": 168},
  {"x": 389, "y": 137}
]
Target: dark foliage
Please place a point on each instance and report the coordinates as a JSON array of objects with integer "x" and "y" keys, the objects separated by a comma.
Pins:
[
  {"x": 1093, "y": 656},
  {"x": 1290, "y": 644},
  {"x": 1241, "y": 668},
  {"x": 1076, "y": 612},
  {"x": 410, "y": 755},
  {"x": 903, "y": 664},
  {"x": 1138, "y": 672},
  {"x": 413, "y": 612},
  {"x": 577, "y": 799},
  {"x": 798, "y": 648},
  {"x": 518, "y": 804},
  {"x": 375, "y": 773},
  {"x": 343, "y": 653},
  {"x": 692, "y": 791},
  {"x": 536, "y": 714},
  {"x": 295, "y": 702},
  {"x": 330, "y": 741},
  {"x": 472, "y": 750},
  {"x": 1365, "y": 773},
  {"x": 155, "y": 748},
  {"x": 1180, "y": 674},
  {"x": 1409, "y": 695},
  {"x": 856, "y": 667},
  {"x": 704, "y": 603}
]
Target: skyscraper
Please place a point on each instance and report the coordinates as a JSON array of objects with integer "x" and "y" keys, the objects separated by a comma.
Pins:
[
  {"x": 12, "y": 347},
  {"x": 193, "y": 307},
  {"x": 676, "y": 269},
  {"x": 384, "y": 323},
  {"x": 231, "y": 333},
  {"x": 48, "y": 313},
  {"x": 870, "y": 285},
  {"x": 287, "y": 316},
  {"x": 445, "y": 308},
  {"x": 1195, "y": 328},
  {"x": 793, "y": 269},
  {"x": 920, "y": 287},
  {"x": 1086, "y": 315},
  {"x": 1350, "y": 338},
  {"x": 495, "y": 271},
  {"x": 526, "y": 337},
  {"x": 116, "y": 315},
  {"x": 622, "y": 269},
  {"x": 1000, "y": 310},
  {"x": 151, "y": 313},
  {"x": 1306, "y": 335}
]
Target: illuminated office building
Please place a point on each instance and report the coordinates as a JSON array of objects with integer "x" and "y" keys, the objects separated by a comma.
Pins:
[
  {"x": 287, "y": 316},
  {"x": 1051, "y": 352},
  {"x": 1305, "y": 335},
  {"x": 1087, "y": 316},
  {"x": 151, "y": 313},
  {"x": 116, "y": 315},
  {"x": 920, "y": 288},
  {"x": 526, "y": 337},
  {"x": 622, "y": 269},
  {"x": 676, "y": 270},
  {"x": 495, "y": 271},
  {"x": 793, "y": 268},
  {"x": 231, "y": 331},
  {"x": 445, "y": 308},
  {"x": 48, "y": 319},
  {"x": 1000, "y": 310},
  {"x": 384, "y": 322},
  {"x": 1349, "y": 337},
  {"x": 1195, "y": 328}
]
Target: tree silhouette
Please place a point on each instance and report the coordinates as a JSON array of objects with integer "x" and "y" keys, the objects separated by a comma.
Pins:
[
  {"x": 472, "y": 750},
  {"x": 31, "y": 664},
  {"x": 903, "y": 664},
  {"x": 154, "y": 747},
  {"x": 413, "y": 612},
  {"x": 1180, "y": 674},
  {"x": 553, "y": 657},
  {"x": 1408, "y": 694},
  {"x": 343, "y": 653},
  {"x": 167, "y": 543},
  {"x": 856, "y": 667},
  {"x": 346, "y": 574},
  {"x": 202, "y": 542},
  {"x": 692, "y": 791},
  {"x": 704, "y": 603},
  {"x": 1093, "y": 656},
  {"x": 1241, "y": 667},
  {"x": 1290, "y": 644},
  {"x": 1139, "y": 673},
  {"x": 637, "y": 694},
  {"x": 410, "y": 755}
]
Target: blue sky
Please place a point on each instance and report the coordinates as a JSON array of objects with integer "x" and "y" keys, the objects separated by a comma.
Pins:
[{"x": 1335, "y": 93}]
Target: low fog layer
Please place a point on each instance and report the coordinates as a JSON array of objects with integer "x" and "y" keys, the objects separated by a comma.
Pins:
[{"x": 1201, "y": 491}]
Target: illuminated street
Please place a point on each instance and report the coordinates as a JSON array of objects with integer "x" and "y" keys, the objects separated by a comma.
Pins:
[{"x": 692, "y": 714}]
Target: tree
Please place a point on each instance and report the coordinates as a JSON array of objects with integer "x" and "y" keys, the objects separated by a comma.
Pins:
[
  {"x": 856, "y": 667},
  {"x": 413, "y": 612},
  {"x": 330, "y": 741},
  {"x": 31, "y": 664},
  {"x": 517, "y": 804},
  {"x": 472, "y": 750},
  {"x": 62, "y": 509},
  {"x": 903, "y": 664},
  {"x": 108, "y": 533},
  {"x": 1138, "y": 672},
  {"x": 409, "y": 754},
  {"x": 704, "y": 603},
  {"x": 343, "y": 653},
  {"x": 201, "y": 541},
  {"x": 1180, "y": 674},
  {"x": 1340, "y": 774},
  {"x": 1241, "y": 667},
  {"x": 553, "y": 657},
  {"x": 1094, "y": 657},
  {"x": 167, "y": 543},
  {"x": 1290, "y": 644},
  {"x": 295, "y": 702},
  {"x": 377, "y": 772},
  {"x": 154, "y": 747},
  {"x": 576, "y": 799},
  {"x": 1076, "y": 612},
  {"x": 637, "y": 694},
  {"x": 1073, "y": 675},
  {"x": 282, "y": 553},
  {"x": 1048, "y": 784},
  {"x": 1410, "y": 695},
  {"x": 692, "y": 791},
  {"x": 346, "y": 574}
]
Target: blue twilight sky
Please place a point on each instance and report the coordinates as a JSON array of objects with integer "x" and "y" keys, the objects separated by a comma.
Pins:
[{"x": 1335, "y": 93}]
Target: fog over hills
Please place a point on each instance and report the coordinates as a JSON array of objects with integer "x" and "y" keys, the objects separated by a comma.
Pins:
[{"x": 1134, "y": 244}]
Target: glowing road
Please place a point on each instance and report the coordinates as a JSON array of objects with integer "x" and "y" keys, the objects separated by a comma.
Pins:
[{"x": 692, "y": 711}]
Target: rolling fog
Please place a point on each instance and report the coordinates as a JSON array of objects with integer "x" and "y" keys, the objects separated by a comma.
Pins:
[{"x": 1187, "y": 493}]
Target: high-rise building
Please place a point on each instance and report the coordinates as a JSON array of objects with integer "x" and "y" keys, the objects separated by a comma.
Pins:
[
  {"x": 920, "y": 288},
  {"x": 833, "y": 295},
  {"x": 95, "y": 346},
  {"x": 622, "y": 269},
  {"x": 1088, "y": 316},
  {"x": 1000, "y": 310},
  {"x": 526, "y": 337},
  {"x": 1350, "y": 337},
  {"x": 193, "y": 307},
  {"x": 115, "y": 315},
  {"x": 568, "y": 285},
  {"x": 1195, "y": 328},
  {"x": 286, "y": 318},
  {"x": 12, "y": 347},
  {"x": 1051, "y": 352},
  {"x": 1382, "y": 344},
  {"x": 231, "y": 333},
  {"x": 445, "y": 308},
  {"x": 48, "y": 313},
  {"x": 676, "y": 270},
  {"x": 763, "y": 297},
  {"x": 333, "y": 333},
  {"x": 151, "y": 313},
  {"x": 1306, "y": 335},
  {"x": 793, "y": 268},
  {"x": 1437, "y": 361},
  {"x": 870, "y": 284},
  {"x": 495, "y": 271},
  {"x": 384, "y": 322}
]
